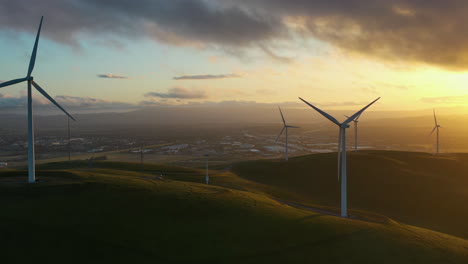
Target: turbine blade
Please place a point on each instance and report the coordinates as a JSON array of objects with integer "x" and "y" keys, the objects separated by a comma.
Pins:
[
  {"x": 358, "y": 113},
  {"x": 282, "y": 117},
  {"x": 15, "y": 81},
  {"x": 44, "y": 93},
  {"x": 329, "y": 117},
  {"x": 433, "y": 130},
  {"x": 34, "y": 52},
  {"x": 435, "y": 118},
  {"x": 339, "y": 155},
  {"x": 280, "y": 134}
]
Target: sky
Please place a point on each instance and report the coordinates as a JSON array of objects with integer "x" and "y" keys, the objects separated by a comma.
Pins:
[{"x": 339, "y": 54}]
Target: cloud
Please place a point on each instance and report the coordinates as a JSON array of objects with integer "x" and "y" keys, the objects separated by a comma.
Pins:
[
  {"x": 68, "y": 102},
  {"x": 10, "y": 102},
  {"x": 404, "y": 30},
  {"x": 91, "y": 103},
  {"x": 206, "y": 77},
  {"x": 178, "y": 22},
  {"x": 461, "y": 99},
  {"x": 274, "y": 56},
  {"x": 112, "y": 76},
  {"x": 179, "y": 93},
  {"x": 430, "y": 31},
  {"x": 245, "y": 103}
]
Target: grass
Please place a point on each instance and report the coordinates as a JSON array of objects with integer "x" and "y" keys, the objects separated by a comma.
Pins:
[
  {"x": 115, "y": 213},
  {"x": 416, "y": 188}
]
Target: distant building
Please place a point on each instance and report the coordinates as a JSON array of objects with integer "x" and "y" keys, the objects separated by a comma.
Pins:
[{"x": 96, "y": 150}]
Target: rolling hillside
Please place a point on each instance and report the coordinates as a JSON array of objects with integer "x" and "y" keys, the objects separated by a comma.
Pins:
[
  {"x": 415, "y": 188},
  {"x": 114, "y": 213}
]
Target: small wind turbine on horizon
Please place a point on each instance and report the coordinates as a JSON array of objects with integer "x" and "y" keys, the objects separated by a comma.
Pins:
[
  {"x": 355, "y": 123},
  {"x": 436, "y": 127},
  {"x": 342, "y": 150},
  {"x": 207, "y": 177},
  {"x": 285, "y": 127},
  {"x": 30, "y": 80},
  {"x": 69, "y": 139}
]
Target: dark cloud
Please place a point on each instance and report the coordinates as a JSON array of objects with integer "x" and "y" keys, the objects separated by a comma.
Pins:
[
  {"x": 461, "y": 99},
  {"x": 179, "y": 93},
  {"x": 206, "y": 76},
  {"x": 428, "y": 31},
  {"x": 111, "y": 76},
  {"x": 177, "y": 21}
]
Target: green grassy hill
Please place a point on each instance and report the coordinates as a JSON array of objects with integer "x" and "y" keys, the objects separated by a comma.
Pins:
[
  {"x": 415, "y": 188},
  {"x": 113, "y": 213}
]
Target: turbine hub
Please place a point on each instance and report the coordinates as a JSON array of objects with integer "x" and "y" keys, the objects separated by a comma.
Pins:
[{"x": 30, "y": 78}]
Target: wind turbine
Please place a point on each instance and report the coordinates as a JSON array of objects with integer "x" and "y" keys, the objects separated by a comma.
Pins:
[
  {"x": 436, "y": 127},
  {"x": 69, "y": 139},
  {"x": 355, "y": 122},
  {"x": 285, "y": 127},
  {"x": 30, "y": 80},
  {"x": 342, "y": 150},
  {"x": 141, "y": 159},
  {"x": 207, "y": 177}
]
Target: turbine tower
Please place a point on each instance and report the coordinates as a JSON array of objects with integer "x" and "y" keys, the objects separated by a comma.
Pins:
[
  {"x": 342, "y": 150},
  {"x": 436, "y": 127},
  {"x": 355, "y": 123},
  {"x": 30, "y": 81},
  {"x": 285, "y": 127}
]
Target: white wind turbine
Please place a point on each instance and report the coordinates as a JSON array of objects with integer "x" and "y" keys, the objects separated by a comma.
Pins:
[
  {"x": 207, "y": 176},
  {"x": 342, "y": 150},
  {"x": 355, "y": 122},
  {"x": 436, "y": 127},
  {"x": 285, "y": 127},
  {"x": 30, "y": 80}
]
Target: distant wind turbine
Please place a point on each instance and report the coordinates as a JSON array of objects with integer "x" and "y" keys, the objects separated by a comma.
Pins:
[
  {"x": 355, "y": 122},
  {"x": 69, "y": 140},
  {"x": 285, "y": 127},
  {"x": 436, "y": 127},
  {"x": 207, "y": 177},
  {"x": 342, "y": 150},
  {"x": 141, "y": 159},
  {"x": 30, "y": 80}
]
